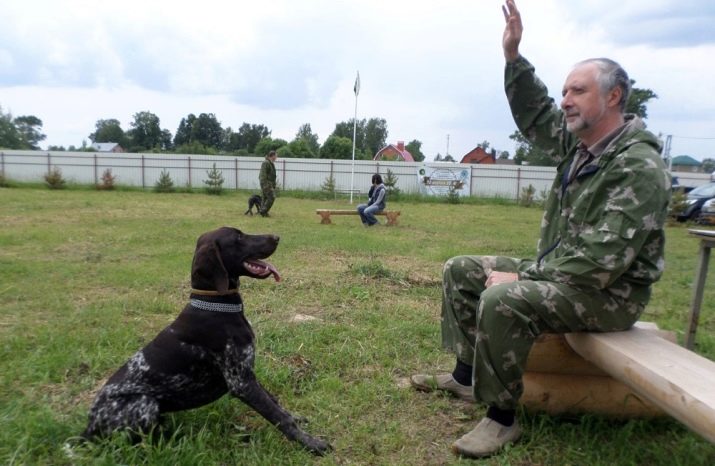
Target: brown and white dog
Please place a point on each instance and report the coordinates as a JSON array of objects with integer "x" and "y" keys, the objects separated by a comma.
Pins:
[{"x": 206, "y": 352}]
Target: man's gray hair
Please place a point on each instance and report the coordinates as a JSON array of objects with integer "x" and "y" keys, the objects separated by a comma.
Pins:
[{"x": 611, "y": 75}]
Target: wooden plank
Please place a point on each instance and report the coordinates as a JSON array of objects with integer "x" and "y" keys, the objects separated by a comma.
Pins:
[
  {"x": 353, "y": 212},
  {"x": 326, "y": 213},
  {"x": 679, "y": 381},
  {"x": 577, "y": 394},
  {"x": 551, "y": 353}
]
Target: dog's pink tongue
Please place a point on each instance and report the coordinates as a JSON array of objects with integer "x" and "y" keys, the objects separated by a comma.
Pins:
[{"x": 273, "y": 270}]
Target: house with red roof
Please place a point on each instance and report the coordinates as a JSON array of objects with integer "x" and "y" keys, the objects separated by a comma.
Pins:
[
  {"x": 394, "y": 152},
  {"x": 479, "y": 155}
]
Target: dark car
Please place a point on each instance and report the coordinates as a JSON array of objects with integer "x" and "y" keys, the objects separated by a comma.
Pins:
[{"x": 695, "y": 200}]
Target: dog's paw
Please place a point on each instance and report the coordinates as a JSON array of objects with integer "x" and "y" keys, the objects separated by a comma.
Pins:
[{"x": 315, "y": 445}]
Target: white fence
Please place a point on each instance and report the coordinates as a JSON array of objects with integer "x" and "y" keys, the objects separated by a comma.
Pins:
[{"x": 505, "y": 181}]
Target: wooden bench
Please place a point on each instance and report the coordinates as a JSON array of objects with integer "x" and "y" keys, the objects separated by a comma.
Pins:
[
  {"x": 679, "y": 381},
  {"x": 637, "y": 373},
  {"x": 326, "y": 213}
]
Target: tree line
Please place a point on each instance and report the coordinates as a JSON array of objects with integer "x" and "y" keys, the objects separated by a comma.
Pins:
[{"x": 204, "y": 134}]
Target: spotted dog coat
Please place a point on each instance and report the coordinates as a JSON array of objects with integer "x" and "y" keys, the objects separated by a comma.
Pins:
[{"x": 206, "y": 352}]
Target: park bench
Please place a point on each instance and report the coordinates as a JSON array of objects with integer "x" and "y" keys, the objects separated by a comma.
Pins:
[
  {"x": 637, "y": 373},
  {"x": 326, "y": 213}
]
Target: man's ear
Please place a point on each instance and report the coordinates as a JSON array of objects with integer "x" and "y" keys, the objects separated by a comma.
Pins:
[
  {"x": 614, "y": 96},
  {"x": 207, "y": 268}
]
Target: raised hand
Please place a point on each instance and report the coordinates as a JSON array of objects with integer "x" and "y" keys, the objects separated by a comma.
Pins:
[{"x": 512, "y": 31}]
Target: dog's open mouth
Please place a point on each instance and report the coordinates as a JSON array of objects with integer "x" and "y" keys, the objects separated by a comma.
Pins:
[{"x": 261, "y": 269}]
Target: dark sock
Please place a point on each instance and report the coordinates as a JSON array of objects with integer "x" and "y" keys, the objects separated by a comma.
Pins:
[
  {"x": 462, "y": 373},
  {"x": 504, "y": 417}
]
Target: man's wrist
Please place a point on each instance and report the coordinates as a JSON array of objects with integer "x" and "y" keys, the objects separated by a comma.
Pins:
[{"x": 511, "y": 57}]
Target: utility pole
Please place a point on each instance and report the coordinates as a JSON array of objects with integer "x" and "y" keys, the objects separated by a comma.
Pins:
[
  {"x": 447, "y": 153},
  {"x": 666, "y": 151}
]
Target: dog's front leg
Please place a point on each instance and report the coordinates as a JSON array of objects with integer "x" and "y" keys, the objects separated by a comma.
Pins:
[{"x": 242, "y": 383}]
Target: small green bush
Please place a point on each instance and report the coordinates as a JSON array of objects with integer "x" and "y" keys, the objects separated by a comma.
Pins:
[
  {"x": 527, "y": 196},
  {"x": 678, "y": 203},
  {"x": 164, "y": 184},
  {"x": 390, "y": 182},
  {"x": 214, "y": 185},
  {"x": 453, "y": 196},
  {"x": 328, "y": 187},
  {"x": 54, "y": 179},
  {"x": 107, "y": 182}
]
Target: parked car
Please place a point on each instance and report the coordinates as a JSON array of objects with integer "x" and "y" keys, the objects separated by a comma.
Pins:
[
  {"x": 707, "y": 212},
  {"x": 695, "y": 201}
]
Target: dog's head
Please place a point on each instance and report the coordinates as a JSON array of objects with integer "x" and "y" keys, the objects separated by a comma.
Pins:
[{"x": 224, "y": 254}]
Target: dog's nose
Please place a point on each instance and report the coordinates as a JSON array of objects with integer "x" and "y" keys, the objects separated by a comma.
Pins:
[{"x": 276, "y": 238}]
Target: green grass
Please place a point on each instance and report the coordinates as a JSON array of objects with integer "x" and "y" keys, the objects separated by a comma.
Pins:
[{"x": 87, "y": 277}]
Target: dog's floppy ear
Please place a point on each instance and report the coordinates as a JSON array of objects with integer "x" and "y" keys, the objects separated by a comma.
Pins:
[{"x": 207, "y": 268}]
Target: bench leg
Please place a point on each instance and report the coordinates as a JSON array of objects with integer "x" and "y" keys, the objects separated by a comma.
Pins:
[
  {"x": 392, "y": 218},
  {"x": 325, "y": 220}
]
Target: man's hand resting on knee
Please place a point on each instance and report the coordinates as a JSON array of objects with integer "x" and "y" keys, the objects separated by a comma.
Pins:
[{"x": 497, "y": 278}]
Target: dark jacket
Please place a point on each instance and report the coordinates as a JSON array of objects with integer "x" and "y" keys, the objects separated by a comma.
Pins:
[{"x": 378, "y": 195}]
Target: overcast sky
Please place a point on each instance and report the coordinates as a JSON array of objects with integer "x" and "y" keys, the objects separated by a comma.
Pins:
[{"x": 433, "y": 70}]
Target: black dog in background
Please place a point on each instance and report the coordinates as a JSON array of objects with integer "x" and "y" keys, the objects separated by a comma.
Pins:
[
  {"x": 253, "y": 201},
  {"x": 206, "y": 352}
]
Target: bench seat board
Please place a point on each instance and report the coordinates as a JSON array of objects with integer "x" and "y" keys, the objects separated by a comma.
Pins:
[
  {"x": 326, "y": 213},
  {"x": 679, "y": 381}
]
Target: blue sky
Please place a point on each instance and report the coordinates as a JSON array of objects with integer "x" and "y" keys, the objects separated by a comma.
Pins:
[{"x": 433, "y": 70}]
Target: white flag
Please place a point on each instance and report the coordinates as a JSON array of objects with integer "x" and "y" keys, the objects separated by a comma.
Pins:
[{"x": 356, "y": 88}]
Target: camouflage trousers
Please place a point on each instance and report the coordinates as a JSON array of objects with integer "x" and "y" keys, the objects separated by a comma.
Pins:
[
  {"x": 492, "y": 329},
  {"x": 268, "y": 197}
]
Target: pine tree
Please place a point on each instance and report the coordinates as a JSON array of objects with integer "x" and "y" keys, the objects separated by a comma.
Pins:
[
  {"x": 390, "y": 183},
  {"x": 164, "y": 184},
  {"x": 214, "y": 185}
]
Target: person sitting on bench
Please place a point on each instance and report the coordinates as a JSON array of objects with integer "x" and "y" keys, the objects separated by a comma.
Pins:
[
  {"x": 600, "y": 249},
  {"x": 376, "y": 203}
]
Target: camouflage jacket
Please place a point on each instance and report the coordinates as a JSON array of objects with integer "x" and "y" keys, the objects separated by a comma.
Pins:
[
  {"x": 602, "y": 229},
  {"x": 267, "y": 176}
]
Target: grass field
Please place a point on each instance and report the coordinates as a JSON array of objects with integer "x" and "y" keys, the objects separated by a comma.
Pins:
[{"x": 88, "y": 277}]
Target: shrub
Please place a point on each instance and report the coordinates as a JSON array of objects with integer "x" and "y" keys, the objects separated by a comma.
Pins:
[
  {"x": 390, "y": 182},
  {"x": 328, "y": 187},
  {"x": 54, "y": 179},
  {"x": 453, "y": 196},
  {"x": 107, "y": 183},
  {"x": 164, "y": 184},
  {"x": 527, "y": 196},
  {"x": 678, "y": 203},
  {"x": 214, "y": 185}
]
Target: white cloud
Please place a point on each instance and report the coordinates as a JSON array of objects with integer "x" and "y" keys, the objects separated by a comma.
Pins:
[{"x": 430, "y": 69}]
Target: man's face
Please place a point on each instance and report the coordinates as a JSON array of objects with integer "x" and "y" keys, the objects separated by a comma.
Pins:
[{"x": 583, "y": 103}]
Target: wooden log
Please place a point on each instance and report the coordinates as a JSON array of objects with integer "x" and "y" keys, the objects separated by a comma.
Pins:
[
  {"x": 568, "y": 394},
  {"x": 679, "y": 381},
  {"x": 552, "y": 354}
]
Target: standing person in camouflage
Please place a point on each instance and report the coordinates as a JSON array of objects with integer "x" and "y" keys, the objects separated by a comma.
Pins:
[
  {"x": 600, "y": 249},
  {"x": 267, "y": 178}
]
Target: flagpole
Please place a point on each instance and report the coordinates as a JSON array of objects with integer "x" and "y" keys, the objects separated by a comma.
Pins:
[{"x": 352, "y": 169}]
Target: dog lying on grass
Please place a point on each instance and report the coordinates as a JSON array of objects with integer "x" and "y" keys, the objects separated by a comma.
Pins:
[
  {"x": 206, "y": 352},
  {"x": 254, "y": 201}
]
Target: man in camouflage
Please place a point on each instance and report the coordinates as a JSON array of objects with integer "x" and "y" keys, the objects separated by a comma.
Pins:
[
  {"x": 267, "y": 179},
  {"x": 600, "y": 249}
]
